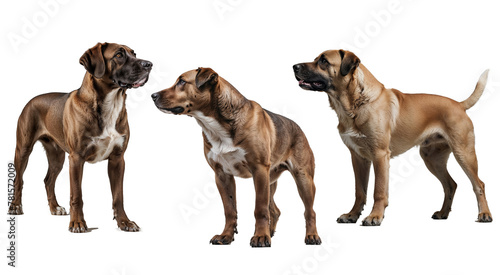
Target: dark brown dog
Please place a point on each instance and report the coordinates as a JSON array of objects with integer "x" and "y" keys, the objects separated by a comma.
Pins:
[
  {"x": 377, "y": 123},
  {"x": 90, "y": 124},
  {"x": 242, "y": 139}
]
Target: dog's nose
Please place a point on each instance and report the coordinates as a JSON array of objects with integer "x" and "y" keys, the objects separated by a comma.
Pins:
[
  {"x": 146, "y": 64},
  {"x": 297, "y": 67},
  {"x": 155, "y": 96}
]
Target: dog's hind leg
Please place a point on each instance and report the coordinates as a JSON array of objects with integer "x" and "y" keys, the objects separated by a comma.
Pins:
[
  {"x": 55, "y": 157},
  {"x": 23, "y": 152},
  {"x": 436, "y": 157},
  {"x": 273, "y": 209},
  {"x": 465, "y": 154},
  {"x": 26, "y": 136}
]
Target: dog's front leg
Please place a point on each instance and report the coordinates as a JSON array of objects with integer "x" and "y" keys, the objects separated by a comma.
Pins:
[
  {"x": 77, "y": 223},
  {"x": 227, "y": 190},
  {"x": 381, "y": 194},
  {"x": 262, "y": 235},
  {"x": 116, "y": 169},
  {"x": 361, "y": 169}
]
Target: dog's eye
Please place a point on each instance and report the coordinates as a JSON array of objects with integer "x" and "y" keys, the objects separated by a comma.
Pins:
[
  {"x": 181, "y": 82},
  {"x": 119, "y": 55},
  {"x": 323, "y": 61}
]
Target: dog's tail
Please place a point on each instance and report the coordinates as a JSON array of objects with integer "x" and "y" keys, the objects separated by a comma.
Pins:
[{"x": 478, "y": 91}]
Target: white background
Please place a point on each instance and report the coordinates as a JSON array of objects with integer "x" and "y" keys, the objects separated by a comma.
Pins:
[{"x": 414, "y": 46}]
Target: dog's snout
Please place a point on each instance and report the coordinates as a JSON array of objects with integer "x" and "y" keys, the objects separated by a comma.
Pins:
[
  {"x": 146, "y": 64},
  {"x": 297, "y": 67},
  {"x": 155, "y": 96}
]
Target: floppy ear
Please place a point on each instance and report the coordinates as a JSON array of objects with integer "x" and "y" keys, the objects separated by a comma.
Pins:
[
  {"x": 205, "y": 76},
  {"x": 93, "y": 61},
  {"x": 349, "y": 62}
]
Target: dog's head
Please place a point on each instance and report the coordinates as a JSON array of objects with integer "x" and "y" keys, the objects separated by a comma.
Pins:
[
  {"x": 192, "y": 91},
  {"x": 116, "y": 65},
  {"x": 330, "y": 71}
]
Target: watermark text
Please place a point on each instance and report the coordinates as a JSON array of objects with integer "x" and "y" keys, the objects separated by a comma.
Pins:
[{"x": 11, "y": 221}]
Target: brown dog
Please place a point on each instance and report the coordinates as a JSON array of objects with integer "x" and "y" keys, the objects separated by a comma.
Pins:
[
  {"x": 377, "y": 123},
  {"x": 242, "y": 139},
  {"x": 90, "y": 124}
]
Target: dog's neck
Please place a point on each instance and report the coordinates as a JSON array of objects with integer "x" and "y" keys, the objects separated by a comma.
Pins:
[
  {"x": 225, "y": 106},
  {"x": 97, "y": 94},
  {"x": 227, "y": 101},
  {"x": 96, "y": 90},
  {"x": 362, "y": 88}
]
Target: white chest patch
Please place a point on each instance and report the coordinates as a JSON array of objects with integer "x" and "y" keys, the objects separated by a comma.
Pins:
[
  {"x": 352, "y": 139},
  {"x": 223, "y": 150},
  {"x": 110, "y": 138}
]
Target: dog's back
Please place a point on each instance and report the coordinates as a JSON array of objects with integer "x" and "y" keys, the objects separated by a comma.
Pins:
[
  {"x": 289, "y": 134},
  {"x": 42, "y": 108}
]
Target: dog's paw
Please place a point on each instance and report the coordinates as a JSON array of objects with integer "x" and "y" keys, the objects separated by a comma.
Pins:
[
  {"x": 348, "y": 218},
  {"x": 222, "y": 239},
  {"x": 15, "y": 210},
  {"x": 484, "y": 217},
  {"x": 261, "y": 241},
  {"x": 313, "y": 239},
  {"x": 372, "y": 220},
  {"x": 78, "y": 227},
  {"x": 129, "y": 226},
  {"x": 58, "y": 211},
  {"x": 438, "y": 215}
]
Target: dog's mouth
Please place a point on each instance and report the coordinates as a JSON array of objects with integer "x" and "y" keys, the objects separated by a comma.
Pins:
[
  {"x": 136, "y": 84},
  {"x": 311, "y": 85},
  {"x": 176, "y": 110}
]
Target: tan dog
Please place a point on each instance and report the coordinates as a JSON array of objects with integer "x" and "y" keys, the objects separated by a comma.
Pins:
[
  {"x": 90, "y": 124},
  {"x": 242, "y": 139},
  {"x": 377, "y": 123}
]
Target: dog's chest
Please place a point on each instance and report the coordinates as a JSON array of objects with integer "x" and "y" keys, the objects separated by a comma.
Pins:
[
  {"x": 109, "y": 138},
  {"x": 352, "y": 137},
  {"x": 230, "y": 157},
  {"x": 355, "y": 140}
]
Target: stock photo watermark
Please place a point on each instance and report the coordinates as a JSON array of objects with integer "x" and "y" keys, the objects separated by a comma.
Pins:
[
  {"x": 32, "y": 25},
  {"x": 223, "y": 7},
  {"x": 363, "y": 36},
  {"x": 119, "y": 271},
  {"x": 311, "y": 264},
  {"x": 12, "y": 221},
  {"x": 200, "y": 201},
  {"x": 405, "y": 167}
]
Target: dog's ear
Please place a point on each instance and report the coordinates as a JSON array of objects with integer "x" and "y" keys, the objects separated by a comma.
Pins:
[
  {"x": 349, "y": 62},
  {"x": 93, "y": 61},
  {"x": 205, "y": 76}
]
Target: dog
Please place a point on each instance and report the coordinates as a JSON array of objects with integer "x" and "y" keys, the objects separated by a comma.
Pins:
[
  {"x": 90, "y": 124},
  {"x": 242, "y": 139},
  {"x": 377, "y": 123}
]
